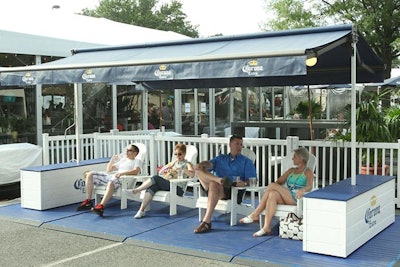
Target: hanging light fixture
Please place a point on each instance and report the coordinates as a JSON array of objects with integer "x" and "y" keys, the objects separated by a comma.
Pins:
[{"x": 311, "y": 61}]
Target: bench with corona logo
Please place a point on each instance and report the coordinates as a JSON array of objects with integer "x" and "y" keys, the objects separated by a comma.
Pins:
[
  {"x": 55, "y": 185},
  {"x": 341, "y": 217}
]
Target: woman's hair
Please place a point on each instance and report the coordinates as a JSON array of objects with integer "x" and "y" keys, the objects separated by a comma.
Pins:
[
  {"x": 302, "y": 152},
  {"x": 181, "y": 147}
]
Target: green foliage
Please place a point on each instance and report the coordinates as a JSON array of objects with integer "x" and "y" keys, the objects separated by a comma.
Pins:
[
  {"x": 146, "y": 13},
  {"x": 371, "y": 124},
  {"x": 3, "y": 122},
  {"x": 291, "y": 14},
  {"x": 303, "y": 109},
  {"x": 392, "y": 119},
  {"x": 17, "y": 124}
]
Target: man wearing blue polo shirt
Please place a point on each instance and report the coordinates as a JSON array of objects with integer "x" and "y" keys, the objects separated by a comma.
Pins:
[{"x": 217, "y": 176}]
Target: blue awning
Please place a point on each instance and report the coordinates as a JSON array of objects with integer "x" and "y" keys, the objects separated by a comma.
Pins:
[{"x": 261, "y": 59}]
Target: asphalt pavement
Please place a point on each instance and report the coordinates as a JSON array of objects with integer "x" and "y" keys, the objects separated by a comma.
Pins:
[{"x": 29, "y": 245}]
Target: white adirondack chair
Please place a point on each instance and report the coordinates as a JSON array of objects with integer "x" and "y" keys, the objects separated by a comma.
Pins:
[
  {"x": 170, "y": 196},
  {"x": 127, "y": 181},
  {"x": 230, "y": 205},
  {"x": 283, "y": 210}
]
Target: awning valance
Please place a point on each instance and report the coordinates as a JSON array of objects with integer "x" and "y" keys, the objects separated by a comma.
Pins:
[{"x": 270, "y": 58}]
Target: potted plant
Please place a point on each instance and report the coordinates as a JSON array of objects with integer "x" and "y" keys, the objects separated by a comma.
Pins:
[
  {"x": 303, "y": 109},
  {"x": 3, "y": 124},
  {"x": 371, "y": 126},
  {"x": 17, "y": 125}
]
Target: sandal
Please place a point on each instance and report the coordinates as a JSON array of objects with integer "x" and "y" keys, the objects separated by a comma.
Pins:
[
  {"x": 261, "y": 232},
  {"x": 202, "y": 228},
  {"x": 248, "y": 219}
]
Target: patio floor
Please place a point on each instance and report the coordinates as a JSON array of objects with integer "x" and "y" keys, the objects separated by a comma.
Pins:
[{"x": 231, "y": 244}]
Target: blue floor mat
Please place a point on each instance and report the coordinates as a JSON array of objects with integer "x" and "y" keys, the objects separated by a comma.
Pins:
[{"x": 175, "y": 233}]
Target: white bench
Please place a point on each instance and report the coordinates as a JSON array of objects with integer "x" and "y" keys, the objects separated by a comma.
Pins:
[{"x": 55, "y": 185}]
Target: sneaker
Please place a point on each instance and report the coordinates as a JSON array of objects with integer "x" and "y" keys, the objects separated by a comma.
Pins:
[
  {"x": 87, "y": 204},
  {"x": 99, "y": 210},
  {"x": 128, "y": 193},
  {"x": 139, "y": 214}
]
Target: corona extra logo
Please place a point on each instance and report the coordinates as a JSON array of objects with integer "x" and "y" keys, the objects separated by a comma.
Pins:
[
  {"x": 163, "y": 73},
  {"x": 88, "y": 75},
  {"x": 252, "y": 68},
  {"x": 28, "y": 78},
  {"x": 372, "y": 212},
  {"x": 79, "y": 184}
]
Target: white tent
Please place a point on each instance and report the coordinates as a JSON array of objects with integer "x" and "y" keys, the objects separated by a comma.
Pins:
[{"x": 55, "y": 33}]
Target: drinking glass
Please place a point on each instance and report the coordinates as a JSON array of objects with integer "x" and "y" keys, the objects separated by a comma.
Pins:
[
  {"x": 253, "y": 181},
  {"x": 180, "y": 173}
]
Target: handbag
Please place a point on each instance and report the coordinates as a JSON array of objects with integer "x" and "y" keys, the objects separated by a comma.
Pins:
[
  {"x": 291, "y": 227},
  {"x": 168, "y": 172}
]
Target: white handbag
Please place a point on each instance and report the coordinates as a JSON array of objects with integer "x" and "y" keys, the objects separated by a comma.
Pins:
[{"x": 291, "y": 227}]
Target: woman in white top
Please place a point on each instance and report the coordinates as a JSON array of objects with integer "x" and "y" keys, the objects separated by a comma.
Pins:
[{"x": 158, "y": 182}]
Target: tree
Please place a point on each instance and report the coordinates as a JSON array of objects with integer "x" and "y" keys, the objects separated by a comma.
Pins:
[
  {"x": 378, "y": 21},
  {"x": 291, "y": 14},
  {"x": 146, "y": 13}
]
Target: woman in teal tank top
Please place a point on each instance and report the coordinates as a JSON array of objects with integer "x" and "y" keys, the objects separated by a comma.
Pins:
[
  {"x": 289, "y": 187},
  {"x": 296, "y": 181}
]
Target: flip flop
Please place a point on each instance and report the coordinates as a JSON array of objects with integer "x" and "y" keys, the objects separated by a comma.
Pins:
[
  {"x": 261, "y": 232},
  {"x": 248, "y": 219}
]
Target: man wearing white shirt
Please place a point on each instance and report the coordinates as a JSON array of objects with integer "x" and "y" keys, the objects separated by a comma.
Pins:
[{"x": 127, "y": 165}]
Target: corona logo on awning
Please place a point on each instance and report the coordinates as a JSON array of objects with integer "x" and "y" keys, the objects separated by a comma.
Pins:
[
  {"x": 252, "y": 68},
  {"x": 163, "y": 73},
  {"x": 88, "y": 75},
  {"x": 28, "y": 78}
]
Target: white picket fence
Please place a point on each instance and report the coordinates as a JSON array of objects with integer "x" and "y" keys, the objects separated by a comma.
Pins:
[{"x": 333, "y": 158}]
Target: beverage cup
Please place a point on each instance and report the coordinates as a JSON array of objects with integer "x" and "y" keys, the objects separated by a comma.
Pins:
[
  {"x": 118, "y": 157},
  {"x": 180, "y": 173},
  {"x": 253, "y": 181},
  {"x": 237, "y": 178}
]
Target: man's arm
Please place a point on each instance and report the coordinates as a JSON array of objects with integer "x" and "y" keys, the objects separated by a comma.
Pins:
[
  {"x": 111, "y": 164},
  {"x": 133, "y": 171}
]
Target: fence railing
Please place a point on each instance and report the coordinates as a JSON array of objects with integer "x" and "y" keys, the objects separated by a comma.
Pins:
[{"x": 333, "y": 158}]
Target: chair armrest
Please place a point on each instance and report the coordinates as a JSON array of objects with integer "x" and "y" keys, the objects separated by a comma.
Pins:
[
  {"x": 128, "y": 180},
  {"x": 178, "y": 181},
  {"x": 300, "y": 207}
]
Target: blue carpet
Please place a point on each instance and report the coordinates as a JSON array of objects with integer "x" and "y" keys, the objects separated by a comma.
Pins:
[{"x": 175, "y": 233}]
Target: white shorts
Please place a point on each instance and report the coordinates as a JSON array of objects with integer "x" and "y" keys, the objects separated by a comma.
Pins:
[{"x": 102, "y": 179}]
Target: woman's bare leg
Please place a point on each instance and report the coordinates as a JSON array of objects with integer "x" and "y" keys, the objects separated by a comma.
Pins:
[
  {"x": 146, "y": 201},
  {"x": 277, "y": 195},
  {"x": 146, "y": 184}
]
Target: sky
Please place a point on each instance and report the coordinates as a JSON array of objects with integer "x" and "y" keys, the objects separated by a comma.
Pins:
[{"x": 228, "y": 17}]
